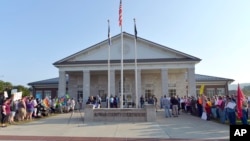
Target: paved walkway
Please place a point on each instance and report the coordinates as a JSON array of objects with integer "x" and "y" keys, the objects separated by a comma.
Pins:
[{"x": 62, "y": 128}]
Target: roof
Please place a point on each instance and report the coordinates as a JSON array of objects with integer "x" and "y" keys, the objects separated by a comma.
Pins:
[
  {"x": 198, "y": 78},
  {"x": 187, "y": 56},
  {"x": 46, "y": 81}
]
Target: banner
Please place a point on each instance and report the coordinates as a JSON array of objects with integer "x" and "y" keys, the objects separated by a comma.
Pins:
[{"x": 202, "y": 89}]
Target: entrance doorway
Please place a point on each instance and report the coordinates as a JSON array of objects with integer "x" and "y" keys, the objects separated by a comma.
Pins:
[{"x": 128, "y": 100}]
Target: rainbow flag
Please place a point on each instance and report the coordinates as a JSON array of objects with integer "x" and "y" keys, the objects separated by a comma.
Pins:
[{"x": 46, "y": 102}]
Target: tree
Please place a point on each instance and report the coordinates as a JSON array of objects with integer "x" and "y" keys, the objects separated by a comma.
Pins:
[
  {"x": 5, "y": 86},
  {"x": 20, "y": 88},
  {"x": 246, "y": 90},
  {"x": 1, "y": 86}
]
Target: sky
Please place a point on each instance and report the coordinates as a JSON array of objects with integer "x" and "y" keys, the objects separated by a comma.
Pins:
[{"x": 36, "y": 33}]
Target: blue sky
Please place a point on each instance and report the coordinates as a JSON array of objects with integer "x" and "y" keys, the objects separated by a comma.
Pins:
[{"x": 36, "y": 33}]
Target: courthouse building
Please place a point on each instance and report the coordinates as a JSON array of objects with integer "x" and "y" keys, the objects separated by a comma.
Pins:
[{"x": 160, "y": 71}]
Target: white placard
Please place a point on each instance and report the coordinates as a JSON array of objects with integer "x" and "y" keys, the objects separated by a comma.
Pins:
[
  {"x": 5, "y": 94},
  {"x": 17, "y": 96}
]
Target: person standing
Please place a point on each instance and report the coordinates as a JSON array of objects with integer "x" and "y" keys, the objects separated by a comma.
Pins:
[
  {"x": 244, "y": 117},
  {"x": 98, "y": 101},
  {"x": 182, "y": 101},
  {"x": 80, "y": 100},
  {"x": 30, "y": 108},
  {"x": 161, "y": 102},
  {"x": 150, "y": 100},
  {"x": 199, "y": 105},
  {"x": 230, "y": 108},
  {"x": 111, "y": 101},
  {"x": 213, "y": 107},
  {"x": 208, "y": 106},
  {"x": 13, "y": 108},
  {"x": 4, "y": 113},
  {"x": 221, "y": 107},
  {"x": 175, "y": 104},
  {"x": 72, "y": 104},
  {"x": 115, "y": 102},
  {"x": 142, "y": 101},
  {"x": 155, "y": 102},
  {"x": 22, "y": 108},
  {"x": 188, "y": 105},
  {"x": 166, "y": 104},
  {"x": 34, "y": 102}
]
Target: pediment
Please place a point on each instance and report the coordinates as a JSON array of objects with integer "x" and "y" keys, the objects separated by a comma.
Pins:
[{"x": 145, "y": 50}]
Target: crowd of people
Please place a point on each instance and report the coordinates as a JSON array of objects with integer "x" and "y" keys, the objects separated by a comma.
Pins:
[
  {"x": 95, "y": 101},
  {"x": 219, "y": 107},
  {"x": 28, "y": 107},
  {"x": 112, "y": 101},
  {"x": 18, "y": 110}
]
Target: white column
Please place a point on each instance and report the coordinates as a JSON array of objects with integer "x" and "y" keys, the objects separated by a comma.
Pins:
[
  {"x": 139, "y": 88},
  {"x": 86, "y": 85},
  {"x": 62, "y": 84},
  {"x": 164, "y": 82},
  {"x": 191, "y": 82}
]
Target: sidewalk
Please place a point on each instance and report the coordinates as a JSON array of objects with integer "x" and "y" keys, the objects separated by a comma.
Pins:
[{"x": 62, "y": 128}]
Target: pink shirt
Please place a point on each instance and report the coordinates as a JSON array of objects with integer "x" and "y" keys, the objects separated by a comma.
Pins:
[{"x": 6, "y": 107}]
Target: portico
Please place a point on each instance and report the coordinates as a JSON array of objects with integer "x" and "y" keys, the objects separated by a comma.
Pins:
[{"x": 160, "y": 71}]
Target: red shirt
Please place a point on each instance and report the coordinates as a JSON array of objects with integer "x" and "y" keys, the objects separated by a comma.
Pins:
[{"x": 7, "y": 108}]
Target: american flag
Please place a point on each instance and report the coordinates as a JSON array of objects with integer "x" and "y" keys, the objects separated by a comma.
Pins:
[
  {"x": 135, "y": 30},
  {"x": 120, "y": 13}
]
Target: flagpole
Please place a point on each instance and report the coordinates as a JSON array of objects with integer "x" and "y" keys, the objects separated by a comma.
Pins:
[
  {"x": 121, "y": 68},
  {"x": 109, "y": 42},
  {"x": 120, "y": 24},
  {"x": 136, "y": 87}
]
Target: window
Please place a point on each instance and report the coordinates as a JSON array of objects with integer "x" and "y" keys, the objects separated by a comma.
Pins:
[
  {"x": 171, "y": 89},
  {"x": 102, "y": 95},
  {"x": 126, "y": 86},
  {"x": 221, "y": 91},
  {"x": 39, "y": 94},
  {"x": 148, "y": 93},
  {"x": 171, "y": 92},
  {"x": 79, "y": 96},
  {"x": 210, "y": 92},
  {"x": 47, "y": 93}
]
